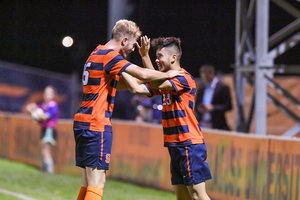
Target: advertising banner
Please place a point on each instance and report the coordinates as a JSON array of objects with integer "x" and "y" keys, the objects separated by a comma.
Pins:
[
  {"x": 243, "y": 167},
  {"x": 20, "y": 85}
]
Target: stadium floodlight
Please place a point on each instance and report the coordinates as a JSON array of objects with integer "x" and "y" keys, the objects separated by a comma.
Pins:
[{"x": 67, "y": 41}]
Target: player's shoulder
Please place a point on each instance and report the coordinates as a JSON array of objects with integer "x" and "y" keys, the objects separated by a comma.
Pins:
[
  {"x": 186, "y": 73},
  {"x": 187, "y": 77},
  {"x": 103, "y": 50}
]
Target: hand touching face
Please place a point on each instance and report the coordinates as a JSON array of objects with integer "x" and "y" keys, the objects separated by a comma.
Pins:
[{"x": 145, "y": 46}]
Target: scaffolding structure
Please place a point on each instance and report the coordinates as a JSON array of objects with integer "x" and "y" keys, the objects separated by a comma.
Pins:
[{"x": 255, "y": 52}]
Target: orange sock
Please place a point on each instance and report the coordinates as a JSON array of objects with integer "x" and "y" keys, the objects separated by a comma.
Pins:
[
  {"x": 81, "y": 194},
  {"x": 93, "y": 193}
]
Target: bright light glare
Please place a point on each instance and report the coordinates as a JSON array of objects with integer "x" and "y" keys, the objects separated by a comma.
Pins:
[{"x": 67, "y": 41}]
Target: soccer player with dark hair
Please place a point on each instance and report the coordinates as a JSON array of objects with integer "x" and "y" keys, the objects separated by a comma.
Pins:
[
  {"x": 92, "y": 124},
  {"x": 182, "y": 134}
]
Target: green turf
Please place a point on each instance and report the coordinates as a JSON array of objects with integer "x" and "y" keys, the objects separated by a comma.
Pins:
[
  {"x": 29, "y": 181},
  {"x": 8, "y": 197}
]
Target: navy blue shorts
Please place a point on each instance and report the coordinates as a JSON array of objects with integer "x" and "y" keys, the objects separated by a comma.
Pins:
[
  {"x": 93, "y": 148},
  {"x": 188, "y": 164}
]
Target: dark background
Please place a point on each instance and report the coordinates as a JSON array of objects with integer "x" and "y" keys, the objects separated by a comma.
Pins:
[{"x": 31, "y": 31}]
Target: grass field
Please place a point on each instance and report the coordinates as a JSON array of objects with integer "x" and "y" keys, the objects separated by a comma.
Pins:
[{"x": 26, "y": 180}]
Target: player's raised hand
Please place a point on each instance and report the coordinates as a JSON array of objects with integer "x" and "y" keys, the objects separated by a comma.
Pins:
[{"x": 145, "y": 45}]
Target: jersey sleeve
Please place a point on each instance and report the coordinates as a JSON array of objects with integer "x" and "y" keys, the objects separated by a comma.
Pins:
[
  {"x": 115, "y": 63},
  {"x": 180, "y": 83},
  {"x": 153, "y": 91}
]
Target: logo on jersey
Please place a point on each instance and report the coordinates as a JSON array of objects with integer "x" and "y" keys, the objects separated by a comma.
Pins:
[{"x": 107, "y": 160}]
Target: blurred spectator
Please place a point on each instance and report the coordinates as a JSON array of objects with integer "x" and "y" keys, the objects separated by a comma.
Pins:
[
  {"x": 213, "y": 100},
  {"x": 123, "y": 109},
  {"x": 156, "y": 109},
  {"x": 143, "y": 108},
  {"x": 147, "y": 109},
  {"x": 46, "y": 114}
]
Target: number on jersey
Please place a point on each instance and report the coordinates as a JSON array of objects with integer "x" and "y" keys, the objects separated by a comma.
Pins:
[
  {"x": 86, "y": 73},
  {"x": 166, "y": 99}
]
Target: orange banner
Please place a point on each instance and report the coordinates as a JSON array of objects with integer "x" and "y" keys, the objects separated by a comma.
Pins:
[
  {"x": 244, "y": 167},
  {"x": 138, "y": 155}
]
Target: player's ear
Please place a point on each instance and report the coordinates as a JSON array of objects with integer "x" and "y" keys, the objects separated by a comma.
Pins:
[
  {"x": 173, "y": 58},
  {"x": 124, "y": 41}
]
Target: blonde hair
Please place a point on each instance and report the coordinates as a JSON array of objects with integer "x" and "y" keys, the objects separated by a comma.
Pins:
[{"x": 124, "y": 28}]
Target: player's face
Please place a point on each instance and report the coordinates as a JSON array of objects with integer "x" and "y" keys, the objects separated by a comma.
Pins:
[
  {"x": 163, "y": 59},
  {"x": 207, "y": 77},
  {"x": 129, "y": 46}
]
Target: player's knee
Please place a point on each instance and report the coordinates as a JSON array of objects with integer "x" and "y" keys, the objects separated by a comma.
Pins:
[
  {"x": 100, "y": 183},
  {"x": 96, "y": 178},
  {"x": 201, "y": 196}
]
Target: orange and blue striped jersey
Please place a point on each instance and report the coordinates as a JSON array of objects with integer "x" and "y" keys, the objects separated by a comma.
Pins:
[
  {"x": 180, "y": 125},
  {"x": 100, "y": 77}
]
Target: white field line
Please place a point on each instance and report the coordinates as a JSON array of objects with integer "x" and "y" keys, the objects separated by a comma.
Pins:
[{"x": 18, "y": 195}]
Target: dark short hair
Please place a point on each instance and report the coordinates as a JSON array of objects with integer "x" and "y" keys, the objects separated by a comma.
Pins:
[
  {"x": 161, "y": 42},
  {"x": 206, "y": 68}
]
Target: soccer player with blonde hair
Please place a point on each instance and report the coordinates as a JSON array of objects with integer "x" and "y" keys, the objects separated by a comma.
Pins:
[{"x": 92, "y": 124}]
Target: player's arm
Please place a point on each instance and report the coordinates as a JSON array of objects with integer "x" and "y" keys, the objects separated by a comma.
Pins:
[
  {"x": 162, "y": 85},
  {"x": 122, "y": 85},
  {"x": 148, "y": 75},
  {"x": 144, "y": 52},
  {"x": 135, "y": 85}
]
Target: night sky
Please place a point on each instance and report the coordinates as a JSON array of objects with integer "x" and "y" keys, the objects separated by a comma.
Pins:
[{"x": 31, "y": 31}]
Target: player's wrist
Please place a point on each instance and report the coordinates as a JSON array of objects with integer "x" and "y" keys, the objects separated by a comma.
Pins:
[
  {"x": 168, "y": 75},
  {"x": 145, "y": 56}
]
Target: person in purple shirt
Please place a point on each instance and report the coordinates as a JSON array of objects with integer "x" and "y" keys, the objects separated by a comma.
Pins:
[{"x": 46, "y": 114}]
